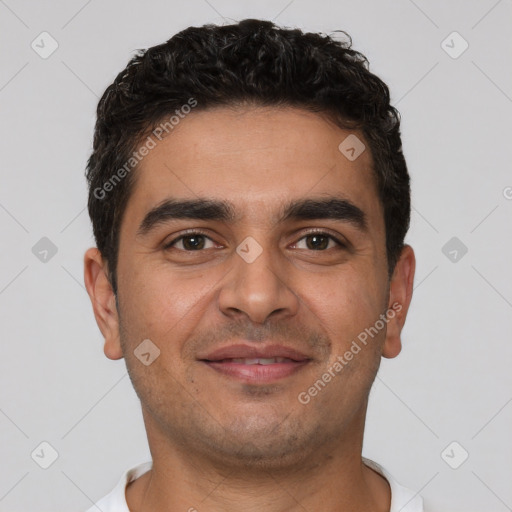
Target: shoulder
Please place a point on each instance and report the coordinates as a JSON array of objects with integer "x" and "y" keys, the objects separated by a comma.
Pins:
[
  {"x": 115, "y": 501},
  {"x": 402, "y": 498}
]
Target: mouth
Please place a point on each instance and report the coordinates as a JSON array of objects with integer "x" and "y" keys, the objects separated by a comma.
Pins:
[{"x": 256, "y": 364}]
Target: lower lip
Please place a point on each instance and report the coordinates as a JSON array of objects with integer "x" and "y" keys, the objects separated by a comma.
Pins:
[{"x": 257, "y": 373}]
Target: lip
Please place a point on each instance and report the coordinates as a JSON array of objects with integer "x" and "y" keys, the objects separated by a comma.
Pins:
[
  {"x": 250, "y": 351},
  {"x": 219, "y": 361}
]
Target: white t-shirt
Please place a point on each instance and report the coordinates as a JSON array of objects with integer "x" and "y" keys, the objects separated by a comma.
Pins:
[{"x": 402, "y": 499}]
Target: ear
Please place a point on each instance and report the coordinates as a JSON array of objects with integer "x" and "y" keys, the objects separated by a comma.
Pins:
[
  {"x": 103, "y": 301},
  {"x": 400, "y": 295}
]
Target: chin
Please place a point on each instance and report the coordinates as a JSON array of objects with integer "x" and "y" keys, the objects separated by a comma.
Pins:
[{"x": 261, "y": 444}]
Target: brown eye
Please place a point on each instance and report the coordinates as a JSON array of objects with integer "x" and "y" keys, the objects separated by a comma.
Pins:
[
  {"x": 191, "y": 242},
  {"x": 319, "y": 242}
]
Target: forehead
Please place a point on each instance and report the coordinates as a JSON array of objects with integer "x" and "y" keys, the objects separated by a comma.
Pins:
[{"x": 257, "y": 158}]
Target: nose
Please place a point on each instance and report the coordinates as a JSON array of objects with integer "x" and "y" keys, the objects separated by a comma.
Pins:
[{"x": 257, "y": 288}]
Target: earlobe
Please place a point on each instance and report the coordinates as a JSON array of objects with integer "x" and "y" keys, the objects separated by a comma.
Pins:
[
  {"x": 103, "y": 301},
  {"x": 400, "y": 295}
]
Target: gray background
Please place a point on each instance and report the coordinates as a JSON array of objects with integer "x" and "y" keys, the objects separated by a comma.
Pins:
[{"x": 452, "y": 381}]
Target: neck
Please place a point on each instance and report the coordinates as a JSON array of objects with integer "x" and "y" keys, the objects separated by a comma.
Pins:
[{"x": 332, "y": 477}]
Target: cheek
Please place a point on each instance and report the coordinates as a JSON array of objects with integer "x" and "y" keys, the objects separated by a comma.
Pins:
[
  {"x": 162, "y": 305},
  {"x": 347, "y": 303}
]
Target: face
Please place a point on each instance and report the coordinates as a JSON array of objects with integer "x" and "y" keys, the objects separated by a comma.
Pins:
[{"x": 252, "y": 256}]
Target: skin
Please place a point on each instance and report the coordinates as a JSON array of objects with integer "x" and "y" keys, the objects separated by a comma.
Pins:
[{"x": 219, "y": 444}]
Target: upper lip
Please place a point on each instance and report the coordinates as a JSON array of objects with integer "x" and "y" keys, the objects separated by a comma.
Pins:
[{"x": 241, "y": 351}]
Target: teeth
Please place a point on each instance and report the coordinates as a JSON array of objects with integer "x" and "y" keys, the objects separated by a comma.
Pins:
[{"x": 260, "y": 360}]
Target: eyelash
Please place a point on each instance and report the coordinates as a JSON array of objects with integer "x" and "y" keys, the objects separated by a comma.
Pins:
[{"x": 199, "y": 232}]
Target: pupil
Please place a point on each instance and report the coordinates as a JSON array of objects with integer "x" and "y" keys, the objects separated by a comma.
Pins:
[
  {"x": 315, "y": 245},
  {"x": 197, "y": 242}
]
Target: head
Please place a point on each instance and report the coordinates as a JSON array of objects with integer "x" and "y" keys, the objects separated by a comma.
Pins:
[{"x": 239, "y": 134}]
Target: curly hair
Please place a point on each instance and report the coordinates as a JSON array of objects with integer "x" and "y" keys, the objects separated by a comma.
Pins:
[{"x": 253, "y": 62}]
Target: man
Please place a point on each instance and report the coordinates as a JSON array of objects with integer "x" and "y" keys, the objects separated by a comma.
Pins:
[{"x": 250, "y": 199}]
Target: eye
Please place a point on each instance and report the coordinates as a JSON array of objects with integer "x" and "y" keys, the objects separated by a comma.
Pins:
[
  {"x": 194, "y": 241},
  {"x": 319, "y": 241}
]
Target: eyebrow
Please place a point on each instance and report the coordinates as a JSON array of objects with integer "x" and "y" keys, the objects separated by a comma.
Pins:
[{"x": 219, "y": 210}]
